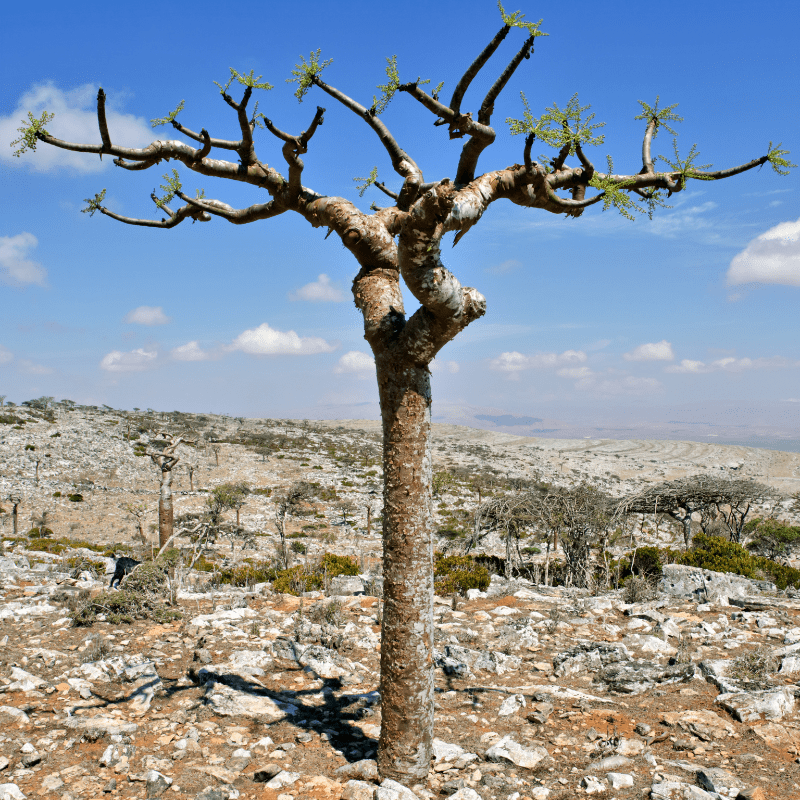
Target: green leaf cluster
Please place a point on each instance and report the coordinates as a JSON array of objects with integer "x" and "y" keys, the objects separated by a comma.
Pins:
[
  {"x": 171, "y": 186},
  {"x": 615, "y": 194},
  {"x": 94, "y": 203},
  {"x": 515, "y": 20},
  {"x": 775, "y": 156},
  {"x": 30, "y": 133},
  {"x": 686, "y": 168},
  {"x": 559, "y": 127},
  {"x": 389, "y": 88},
  {"x": 170, "y": 118},
  {"x": 368, "y": 181},
  {"x": 659, "y": 116},
  {"x": 456, "y": 574},
  {"x": 304, "y": 73},
  {"x": 245, "y": 80}
]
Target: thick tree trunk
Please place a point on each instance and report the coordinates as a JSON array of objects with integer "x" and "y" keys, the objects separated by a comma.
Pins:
[
  {"x": 407, "y": 684},
  {"x": 165, "y": 515}
]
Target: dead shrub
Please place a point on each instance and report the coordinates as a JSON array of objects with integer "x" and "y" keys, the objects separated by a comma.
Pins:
[
  {"x": 755, "y": 667},
  {"x": 640, "y": 589}
]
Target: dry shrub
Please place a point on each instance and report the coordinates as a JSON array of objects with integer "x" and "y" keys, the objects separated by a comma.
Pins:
[
  {"x": 755, "y": 667},
  {"x": 640, "y": 589}
]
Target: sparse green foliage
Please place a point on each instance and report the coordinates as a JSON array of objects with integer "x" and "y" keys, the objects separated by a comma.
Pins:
[
  {"x": 659, "y": 117},
  {"x": 456, "y": 574},
  {"x": 304, "y": 73},
  {"x": 558, "y": 127},
  {"x": 436, "y": 91},
  {"x": 30, "y": 133},
  {"x": 686, "y": 168},
  {"x": 95, "y": 203},
  {"x": 515, "y": 20},
  {"x": 245, "y": 80},
  {"x": 373, "y": 176},
  {"x": 771, "y": 538},
  {"x": 389, "y": 88},
  {"x": 170, "y": 118},
  {"x": 775, "y": 156},
  {"x": 171, "y": 186},
  {"x": 613, "y": 194}
]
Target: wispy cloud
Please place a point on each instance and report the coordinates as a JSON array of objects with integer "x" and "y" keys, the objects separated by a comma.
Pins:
[
  {"x": 75, "y": 120},
  {"x": 772, "y": 257},
  {"x": 651, "y": 351},
  {"x": 731, "y": 364},
  {"x": 131, "y": 361},
  {"x": 445, "y": 366},
  {"x": 622, "y": 385},
  {"x": 32, "y": 368},
  {"x": 356, "y": 362},
  {"x": 319, "y": 291},
  {"x": 147, "y": 315},
  {"x": 5, "y": 355},
  {"x": 191, "y": 351},
  {"x": 513, "y": 362},
  {"x": 266, "y": 341},
  {"x": 504, "y": 267},
  {"x": 16, "y": 269}
]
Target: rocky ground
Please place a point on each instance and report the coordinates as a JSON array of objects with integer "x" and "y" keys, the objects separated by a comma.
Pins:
[{"x": 542, "y": 692}]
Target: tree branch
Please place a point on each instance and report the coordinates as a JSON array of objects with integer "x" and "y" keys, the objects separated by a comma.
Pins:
[
  {"x": 647, "y": 161},
  {"x": 402, "y": 163},
  {"x": 474, "y": 68},
  {"x": 727, "y": 173},
  {"x": 246, "y": 148},
  {"x": 175, "y": 218},
  {"x": 487, "y": 106},
  {"x": 237, "y": 216},
  {"x": 101, "y": 121},
  {"x": 223, "y": 144},
  {"x": 386, "y": 191}
]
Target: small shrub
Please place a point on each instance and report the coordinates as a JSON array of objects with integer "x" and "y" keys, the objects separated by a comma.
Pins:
[
  {"x": 121, "y": 606},
  {"x": 640, "y": 589},
  {"x": 30, "y": 446},
  {"x": 56, "y": 494},
  {"x": 54, "y": 546},
  {"x": 148, "y": 578},
  {"x": 244, "y": 574},
  {"x": 78, "y": 564},
  {"x": 335, "y": 565},
  {"x": 75, "y": 498},
  {"x": 298, "y": 547},
  {"x": 97, "y": 650},
  {"x": 719, "y": 555},
  {"x": 297, "y": 580},
  {"x": 754, "y": 667},
  {"x": 327, "y": 613},
  {"x": 456, "y": 574},
  {"x": 39, "y": 533}
]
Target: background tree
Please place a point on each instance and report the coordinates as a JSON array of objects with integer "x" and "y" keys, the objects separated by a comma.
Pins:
[
  {"x": 772, "y": 538},
  {"x": 163, "y": 452},
  {"x": 286, "y": 504},
  {"x": 15, "y": 498},
  {"x": 731, "y": 498},
  {"x": 138, "y": 513},
  {"x": 403, "y": 240}
]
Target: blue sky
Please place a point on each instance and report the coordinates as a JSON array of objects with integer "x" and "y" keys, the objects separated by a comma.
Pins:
[{"x": 597, "y": 326}]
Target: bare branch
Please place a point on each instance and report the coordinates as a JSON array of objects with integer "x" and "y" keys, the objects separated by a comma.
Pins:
[
  {"x": 402, "y": 163},
  {"x": 176, "y": 217},
  {"x": 487, "y": 106},
  {"x": 206, "y": 148},
  {"x": 223, "y": 144},
  {"x": 386, "y": 191},
  {"x": 236, "y": 216},
  {"x": 136, "y": 165},
  {"x": 474, "y": 68},
  {"x": 726, "y": 173},
  {"x": 101, "y": 121}
]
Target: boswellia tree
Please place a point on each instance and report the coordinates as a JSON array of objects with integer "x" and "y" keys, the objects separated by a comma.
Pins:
[{"x": 402, "y": 242}]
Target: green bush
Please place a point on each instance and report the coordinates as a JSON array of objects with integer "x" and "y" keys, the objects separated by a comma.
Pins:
[
  {"x": 56, "y": 494},
  {"x": 54, "y": 546},
  {"x": 39, "y": 533},
  {"x": 122, "y": 606},
  {"x": 300, "y": 579},
  {"x": 243, "y": 574},
  {"x": 456, "y": 574},
  {"x": 76, "y": 498},
  {"x": 719, "y": 555},
  {"x": 772, "y": 539}
]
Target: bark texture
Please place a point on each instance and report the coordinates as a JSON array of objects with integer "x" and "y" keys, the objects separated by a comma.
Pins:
[{"x": 165, "y": 512}]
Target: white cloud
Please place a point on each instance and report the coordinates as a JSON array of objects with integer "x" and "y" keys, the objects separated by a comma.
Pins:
[
  {"x": 147, "y": 315},
  {"x": 263, "y": 341},
  {"x": 772, "y": 257},
  {"x": 651, "y": 351},
  {"x": 190, "y": 351},
  {"x": 132, "y": 361},
  {"x": 682, "y": 220},
  {"x": 514, "y": 362},
  {"x": 15, "y": 268},
  {"x": 34, "y": 369},
  {"x": 355, "y": 361},
  {"x": 445, "y": 366},
  {"x": 505, "y": 267},
  {"x": 574, "y": 372},
  {"x": 75, "y": 121},
  {"x": 5, "y": 355},
  {"x": 320, "y": 291},
  {"x": 730, "y": 364}
]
